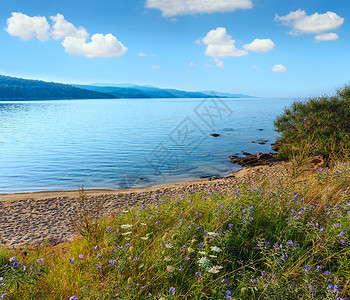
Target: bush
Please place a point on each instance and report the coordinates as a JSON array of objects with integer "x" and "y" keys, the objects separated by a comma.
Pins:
[{"x": 322, "y": 124}]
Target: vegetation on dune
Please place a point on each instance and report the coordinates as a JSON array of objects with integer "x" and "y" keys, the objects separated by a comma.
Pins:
[
  {"x": 286, "y": 240},
  {"x": 322, "y": 123}
]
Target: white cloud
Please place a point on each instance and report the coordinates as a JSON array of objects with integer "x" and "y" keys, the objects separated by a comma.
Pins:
[
  {"x": 100, "y": 46},
  {"x": 316, "y": 23},
  {"x": 218, "y": 63},
  {"x": 331, "y": 36},
  {"x": 171, "y": 8},
  {"x": 220, "y": 44},
  {"x": 260, "y": 45},
  {"x": 75, "y": 39},
  {"x": 142, "y": 54},
  {"x": 62, "y": 29},
  {"x": 154, "y": 67},
  {"x": 279, "y": 68},
  {"x": 192, "y": 64},
  {"x": 27, "y": 28}
]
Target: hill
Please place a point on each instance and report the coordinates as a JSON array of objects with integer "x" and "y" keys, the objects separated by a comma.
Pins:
[{"x": 12, "y": 88}]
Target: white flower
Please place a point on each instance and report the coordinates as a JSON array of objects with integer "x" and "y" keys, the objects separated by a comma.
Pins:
[
  {"x": 204, "y": 262},
  {"x": 212, "y": 233},
  {"x": 143, "y": 224},
  {"x": 214, "y": 269},
  {"x": 127, "y": 233},
  {"x": 202, "y": 252},
  {"x": 215, "y": 249},
  {"x": 126, "y": 226},
  {"x": 213, "y": 256},
  {"x": 168, "y": 245},
  {"x": 170, "y": 269}
]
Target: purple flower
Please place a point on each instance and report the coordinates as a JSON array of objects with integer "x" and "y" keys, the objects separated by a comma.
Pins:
[
  {"x": 73, "y": 298},
  {"x": 71, "y": 260},
  {"x": 172, "y": 290},
  {"x": 198, "y": 273},
  {"x": 228, "y": 293},
  {"x": 81, "y": 256},
  {"x": 97, "y": 247},
  {"x": 3, "y": 296},
  {"x": 230, "y": 225},
  {"x": 128, "y": 245},
  {"x": 99, "y": 255},
  {"x": 187, "y": 258},
  {"x": 99, "y": 266},
  {"x": 12, "y": 259},
  {"x": 224, "y": 281},
  {"x": 40, "y": 260},
  {"x": 201, "y": 245},
  {"x": 343, "y": 241},
  {"x": 109, "y": 228}
]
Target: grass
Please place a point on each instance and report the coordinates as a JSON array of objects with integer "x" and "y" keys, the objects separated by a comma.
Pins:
[{"x": 267, "y": 240}]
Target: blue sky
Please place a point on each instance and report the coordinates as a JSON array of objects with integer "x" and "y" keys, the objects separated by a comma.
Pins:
[{"x": 266, "y": 48}]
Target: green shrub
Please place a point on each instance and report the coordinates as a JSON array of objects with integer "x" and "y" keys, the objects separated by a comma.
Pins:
[{"x": 319, "y": 125}]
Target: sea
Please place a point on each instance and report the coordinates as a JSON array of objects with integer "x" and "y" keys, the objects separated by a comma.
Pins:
[{"x": 125, "y": 143}]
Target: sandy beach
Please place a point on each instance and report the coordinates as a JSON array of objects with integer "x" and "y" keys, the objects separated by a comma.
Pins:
[{"x": 31, "y": 218}]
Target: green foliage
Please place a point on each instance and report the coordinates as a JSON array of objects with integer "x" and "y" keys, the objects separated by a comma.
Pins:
[
  {"x": 320, "y": 125},
  {"x": 268, "y": 240}
]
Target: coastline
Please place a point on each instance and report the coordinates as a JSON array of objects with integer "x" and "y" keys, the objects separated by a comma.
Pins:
[{"x": 32, "y": 218}]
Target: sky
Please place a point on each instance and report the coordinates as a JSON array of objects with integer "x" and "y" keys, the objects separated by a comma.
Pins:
[{"x": 267, "y": 48}]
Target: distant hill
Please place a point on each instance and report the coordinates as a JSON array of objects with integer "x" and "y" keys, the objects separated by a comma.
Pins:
[
  {"x": 137, "y": 91},
  {"x": 12, "y": 88},
  {"x": 226, "y": 95}
]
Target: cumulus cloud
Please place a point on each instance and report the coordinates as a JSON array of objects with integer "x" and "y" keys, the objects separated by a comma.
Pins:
[
  {"x": 100, "y": 46},
  {"x": 260, "y": 45},
  {"x": 62, "y": 29},
  {"x": 331, "y": 36},
  {"x": 154, "y": 67},
  {"x": 171, "y": 8},
  {"x": 218, "y": 63},
  {"x": 28, "y": 28},
  {"x": 75, "y": 39},
  {"x": 192, "y": 64},
  {"x": 142, "y": 54},
  {"x": 220, "y": 44},
  {"x": 316, "y": 23},
  {"x": 279, "y": 68}
]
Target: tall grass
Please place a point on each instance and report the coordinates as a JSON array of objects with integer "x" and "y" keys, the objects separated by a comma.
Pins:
[{"x": 266, "y": 240}]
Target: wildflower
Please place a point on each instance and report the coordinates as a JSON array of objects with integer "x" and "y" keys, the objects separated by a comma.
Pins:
[
  {"x": 128, "y": 245},
  {"x": 112, "y": 262},
  {"x": 201, "y": 245},
  {"x": 126, "y": 226},
  {"x": 127, "y": 233},
  {"x": 198, "y": 273},
  {"x": 187, "y": 258},
  {"x": 71, "y": 260},
  {"x": 267, "y": 242},
  {"x": 97, "y": 247},
  {"x": 168, "y": 245},
  {"x": 264, "y": 273},
  {"x": 343, "y": 241},
  {"x": 224, "y": 281},
  {"x": 202, "y": 252},
  {"x": 12, "y": 259},
  {"x": 204, "y": 262},
  {"x": 214, "y": 269},
  {"x": 73, "y": 298},
  {"x": 230, "y": 225},
  {"x": 135, "y": 258},
  {"x": 40, "y": 260},
  {"x": 109, "y": 228},
  {"x": 172, "y": 290},
  {"x": 170, "y": 269},
  {"x": 318, "y": 267},
  {"x": 212, "y": 233},
  {"x": 228, "y": 293},
  {"x": 215, "y": 249},
  {"x": 81, "y": 256},
  {"x": 180, "y": 269},
  {"x": 330, "y": 287},
  {"x": 307, "y": 268},
  {"x": 250, "y": 218},
  {"x": 99, "y": 255},
  {"x": 99, "y": 266},
  {"x": 285, "y": 256}
]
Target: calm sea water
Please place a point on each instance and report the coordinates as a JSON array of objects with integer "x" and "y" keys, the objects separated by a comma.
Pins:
[{"x": 61, "y": 145}]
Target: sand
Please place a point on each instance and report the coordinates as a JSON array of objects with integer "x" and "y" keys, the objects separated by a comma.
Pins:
[{"x": 32, "y": 218}]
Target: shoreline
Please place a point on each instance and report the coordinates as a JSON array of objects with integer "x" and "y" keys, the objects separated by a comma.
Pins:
[{"x": 30, "y": 219}]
